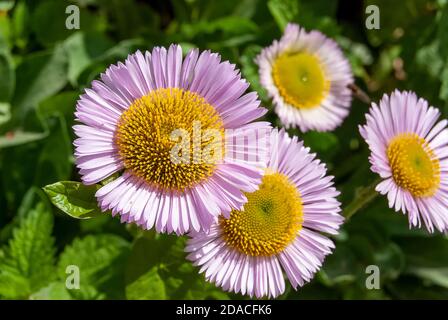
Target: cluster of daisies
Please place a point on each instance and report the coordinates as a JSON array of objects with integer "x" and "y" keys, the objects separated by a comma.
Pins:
[{"x": 256, "y": 204}]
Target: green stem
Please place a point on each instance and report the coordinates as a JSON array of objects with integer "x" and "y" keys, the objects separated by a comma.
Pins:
[{"x": 363, "y": 197}]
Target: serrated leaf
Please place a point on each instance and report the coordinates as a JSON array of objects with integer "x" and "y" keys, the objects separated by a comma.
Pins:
[
  {"x": 54, "y": 291},
  {"x": 87, "y": 292},
  {"x": 101, "y": 262},
  {"x": 58, "y": 291},
  {"x": 28, "y": 262},
  {"x": 30, "y": 199},
  {"x": 165, "y": 254},
  {"x": 148, "y": 286},
  {"x": 74, "y": 198}
]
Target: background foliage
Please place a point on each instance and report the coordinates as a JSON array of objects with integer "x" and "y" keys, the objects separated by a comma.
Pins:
[{"x": 44, "y": 68}]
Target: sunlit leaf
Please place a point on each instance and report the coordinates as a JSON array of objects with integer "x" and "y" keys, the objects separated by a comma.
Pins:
[
  {"x": 74, "y": 198},
  {"x": 101, "y": 261},
  {"x": 28, "y": 261},
  {"x": 148, "y": 286}
]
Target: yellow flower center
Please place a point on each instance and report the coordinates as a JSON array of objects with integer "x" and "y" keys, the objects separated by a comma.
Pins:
[
  {"x": 172, "y": 138},
  {"x": 270, "y": 220},
  {"x": 300, "y": 79},
  {"x": 414, "y": 165}
]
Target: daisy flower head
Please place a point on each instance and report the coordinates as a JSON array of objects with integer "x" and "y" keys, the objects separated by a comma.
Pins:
[
  {"x": 409, "y": 150},
  {"x": 306, "y": 75},
  {"x": 278, "y": 230},
  {"x": 165, "y": 124}
]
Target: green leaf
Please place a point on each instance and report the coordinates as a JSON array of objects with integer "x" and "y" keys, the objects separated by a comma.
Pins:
[
  {"x": 417, "y": 253},
  {"x": 149, "y": 286},
  {"x": 339, "y": 267},
  {"x": 396, "y": 15},
  {"x": 358, "y": 54},
  {"x": 7, "y": 76},
  {"x": 442, "y": 29},
  {"x": 74, "y": 198},
  {"x": 5, "y": 112},
  {"x": 49, "y": 18},
  {"x": 443, "y": 93},
  {"x": 283, "y": 11},
  {"x": 101, "y": 260},
  {"x": 165, "y": 255},
  {"x": 5, "y": 32},
  {"x": 122, "y": 49},
  {"x": 438, "y": 276},
  {"x": 119, "y": 12},
  {"x": 230, "y": 25},
  {"x": 391, "y": 261},
  {"x": 48, "y": 22},
  {"x": 59, "y": 104},
  {"x": 58, "y": 291},
  {"x": 430, "y": 265},
  {"x": 20, "y": 24},
  {"x": 411, "y": 288},
  {"x": 250, "y": 70},
  {"x": 15, "y": 138},
  {"x": 429, "y": 59},
  {"x": 321, "y": 142},
  {"x": 87, "y": 292},
  {"x": 54, "y": 291},
  {"x": 28, "y": 263},
  {"x": 56, "y": 159},
  {"x": 83, "y": 49},
  {"x": 30, "y": 199},
  {"x": 38, "y": 76}
]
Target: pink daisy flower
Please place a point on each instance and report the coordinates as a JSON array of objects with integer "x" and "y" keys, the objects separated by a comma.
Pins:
[
  {"x": 306, "y": 75},
  {"x": 278, "y": 230},
  {"x": 165, "y": 125},
  {"x": 409, "y": 150}
]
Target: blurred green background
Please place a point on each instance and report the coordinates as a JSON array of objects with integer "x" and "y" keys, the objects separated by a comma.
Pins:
[{"x": 44, "y": 68}]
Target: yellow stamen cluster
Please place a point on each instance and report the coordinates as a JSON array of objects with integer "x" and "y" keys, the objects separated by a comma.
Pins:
[
  {"x": 153, "y": 126},
  {"x": 414, "y": 165},
  {"x": 270, "y": 220},
  {"x": 300, "y": 79}
]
